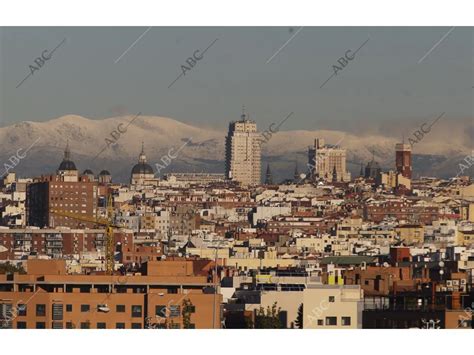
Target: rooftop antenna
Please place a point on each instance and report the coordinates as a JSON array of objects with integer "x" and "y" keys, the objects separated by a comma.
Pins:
[{"x": 243, "y": 113}]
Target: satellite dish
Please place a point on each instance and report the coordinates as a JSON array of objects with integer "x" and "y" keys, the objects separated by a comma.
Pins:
[
  {"x": 163, "y": 257},
  {"x": 302, "y": 175},
  {"x": 385, "y": 264},
  {"x": 441, "y": 272},
  {"x": 441, "y": 264}
]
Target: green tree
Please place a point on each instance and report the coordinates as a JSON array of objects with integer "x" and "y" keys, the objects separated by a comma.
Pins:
[
  {"x": 8, "y": 268},
  {"x": 299, "y": 317},
  {"x": 269, "y": 318},
  {"x": 187, "y": 309}
]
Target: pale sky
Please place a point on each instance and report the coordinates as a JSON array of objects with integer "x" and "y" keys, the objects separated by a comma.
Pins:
[{"x": 100, "y": 72}]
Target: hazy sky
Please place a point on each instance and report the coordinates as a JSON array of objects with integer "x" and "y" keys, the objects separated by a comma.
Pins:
[{"x": 384, "y": 82}]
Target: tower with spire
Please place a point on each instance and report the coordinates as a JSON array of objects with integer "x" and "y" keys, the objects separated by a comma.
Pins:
[
  {"x": 268, "y": 176},
  {"x": 67, "y": 169},
  {"x": 296, "y": 174},
  {"x": 142, "y": 173},
  {"x": 334, "y": 174}
]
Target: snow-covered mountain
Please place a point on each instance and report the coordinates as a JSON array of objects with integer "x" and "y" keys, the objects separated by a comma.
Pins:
[{"x": 114, "y": 144}]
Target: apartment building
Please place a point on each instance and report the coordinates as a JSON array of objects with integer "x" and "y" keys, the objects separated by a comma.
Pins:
[
  {"x": 55, "y": 193},
  {"x": 166, "y": 295}
]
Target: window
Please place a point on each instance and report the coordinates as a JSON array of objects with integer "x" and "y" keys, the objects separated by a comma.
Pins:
[
  {"x": 22, "y": 310},
  {"x": 57, "y": 325},
  {"x": 160, "y": 311},
  {"x": 192, "y": 326},
  {"x": 119, "y": 325},
  {"x": 69, "y": 308},
  {"x": 331, "y": 320},
  {"x": 40, "y": 325},
  {"x": 136, "y": 311},
  {"x": 101, "y": 326},
  {"x": 120, "y": 308},
  {"x": 69, "y": 325},
  {"x": 136, "y": 326},
  {"x": 20, "y": 325},
  {"x": 331, "y": 299},
  {"x": 175, "y": 326},
  {"x": 320, "y": 322},
  {"x": 346, "y": 320},
  {"x": 57, "y": 311},
  {"x": 174, "y": 311},
  {"x": 40, "y": 310},
  {"x": 85, "y": 308},
  {"x": 85, "y": 325}
]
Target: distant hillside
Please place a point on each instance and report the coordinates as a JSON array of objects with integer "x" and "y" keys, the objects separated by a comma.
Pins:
[{"x": 205, "y": 150}]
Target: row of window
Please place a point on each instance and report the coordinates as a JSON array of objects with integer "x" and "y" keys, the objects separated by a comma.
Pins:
[
  {"x": 345, "y": 321},
  {"x": 82, "y": 325},
  {"x": 171, "y": 311},
  {"x": 136, "y": 310}
]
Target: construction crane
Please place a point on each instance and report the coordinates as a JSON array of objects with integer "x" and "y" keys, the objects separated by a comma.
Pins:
[{"x": 109, "y": 225}]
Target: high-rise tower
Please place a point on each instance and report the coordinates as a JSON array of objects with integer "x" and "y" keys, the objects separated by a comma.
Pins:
[
  {"x": 403, "y": 159},
  {"x": 243, "y": 152}
]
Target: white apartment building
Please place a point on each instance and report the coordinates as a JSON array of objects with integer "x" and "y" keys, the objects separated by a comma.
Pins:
[
  {"x": 327, "y": 162},
  {"x": 332, "y": 307},
  {"x": 243, "y": 152}
]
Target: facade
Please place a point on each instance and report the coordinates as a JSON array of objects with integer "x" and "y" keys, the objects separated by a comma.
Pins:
[
  {"x": 194, "y": 178},
  {"x": 162, "y": 298},
  {"x": 58, "y": 242},
  {"x": 327, "y": 162},
  {"x": 332, "y": 307},
  {"x": 243, "y": 152},
  {"x": 54, "y": 193}
]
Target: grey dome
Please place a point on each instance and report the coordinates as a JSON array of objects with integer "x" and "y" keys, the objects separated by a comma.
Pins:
[
  {"x": 67, "y": 165},
  {"x": 142, "y": 168},
  {"x": 88, "y": 172},
  {"x": 104, "y": 172}
]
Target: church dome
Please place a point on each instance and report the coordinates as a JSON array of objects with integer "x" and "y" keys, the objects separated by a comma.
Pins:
[
  {"x": 104, "y": 172},
  {"x": 88, "y": 172},
  {"x": 142, "y": 167},
  {"x": 67, "y": 164}
]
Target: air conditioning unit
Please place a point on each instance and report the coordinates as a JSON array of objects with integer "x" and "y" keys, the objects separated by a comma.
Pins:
[
  {"x": 449, "y": 283},
  {"x": 443, "y": 289},
  {"x": 456, "y": 282},
  {"x": 463, "y": 282}
]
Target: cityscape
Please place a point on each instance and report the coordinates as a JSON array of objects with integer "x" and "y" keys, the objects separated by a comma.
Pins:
[{"x": 143, "y": 221}]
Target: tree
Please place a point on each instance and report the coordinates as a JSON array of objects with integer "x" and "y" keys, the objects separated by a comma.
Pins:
[
  {"x": 8, "y": 268},
  {"x": 268, "y": 319},
  {"x": 299, "y": 317},
  {"x": 187, "y": 309}
]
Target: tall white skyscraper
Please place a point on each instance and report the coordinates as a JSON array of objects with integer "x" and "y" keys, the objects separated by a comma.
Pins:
[{"x": 243, "y": 152}]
